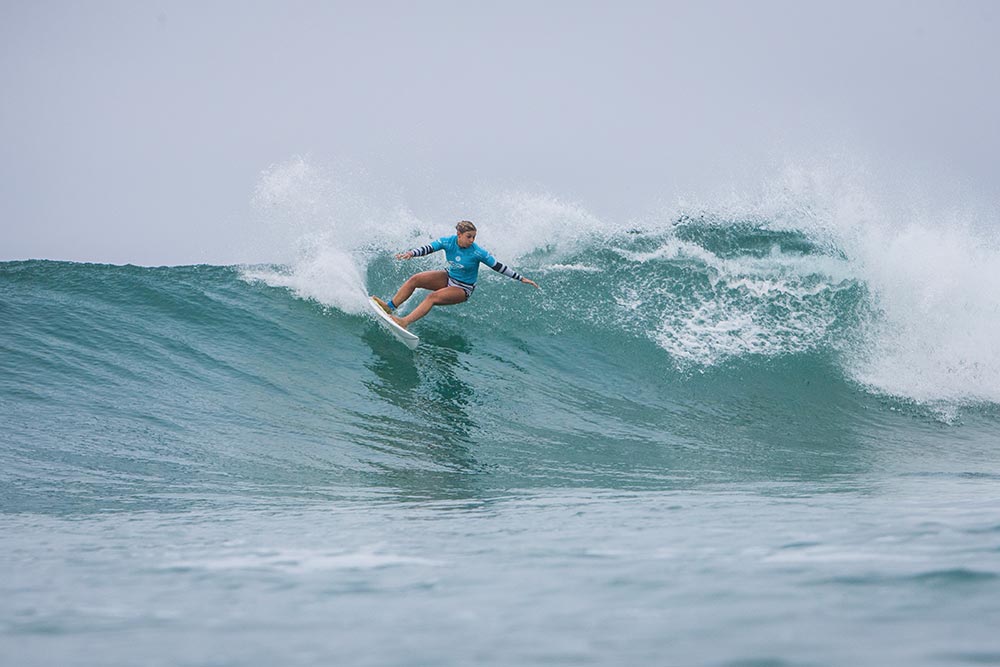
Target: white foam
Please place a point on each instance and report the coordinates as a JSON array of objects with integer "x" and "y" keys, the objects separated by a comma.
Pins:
[
  {"x": 580, "y": 268},
  {"x": 324, "y": 223},
  {"x": 933, "y": 275},
  {"x": 936, "y": 336},
  {"x": 671, "y": 248},
  {"x": 328, "y": 275},
  {"x": 772, "y": 305}
]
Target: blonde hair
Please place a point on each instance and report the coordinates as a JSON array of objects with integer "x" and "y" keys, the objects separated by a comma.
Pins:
[{"x": 465, "y": 226}]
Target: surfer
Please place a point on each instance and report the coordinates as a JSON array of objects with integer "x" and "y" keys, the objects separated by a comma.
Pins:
[{"x": 447, "y": 287}]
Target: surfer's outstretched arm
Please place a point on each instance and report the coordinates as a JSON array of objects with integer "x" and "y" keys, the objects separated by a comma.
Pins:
[
  {"x": 421, "y": 251},
  {"x": 500, "y": 267}
]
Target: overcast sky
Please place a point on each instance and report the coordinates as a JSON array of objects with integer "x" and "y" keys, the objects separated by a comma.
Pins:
[{"x": 136, "y": 131}]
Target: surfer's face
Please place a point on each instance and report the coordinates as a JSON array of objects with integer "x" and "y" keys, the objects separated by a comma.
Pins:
[{"x": 466, "y": 239}]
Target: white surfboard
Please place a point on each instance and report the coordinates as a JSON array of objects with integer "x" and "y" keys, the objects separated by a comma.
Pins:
[{"x": 410, "y": 340}]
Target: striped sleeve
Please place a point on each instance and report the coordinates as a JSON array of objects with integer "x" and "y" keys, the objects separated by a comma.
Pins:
[
  {"x": 500, "y": 267},
  {"x": 422, "y": 250},
  {"x": 434, "y": 246}
]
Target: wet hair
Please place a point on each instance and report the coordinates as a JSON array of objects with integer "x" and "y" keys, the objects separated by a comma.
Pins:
[{"x": 465, "y": 226}]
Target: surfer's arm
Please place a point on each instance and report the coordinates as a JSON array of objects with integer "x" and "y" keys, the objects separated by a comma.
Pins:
[
  {"x": 433, "y": 246},
  {"x": 500, "y": 267}
]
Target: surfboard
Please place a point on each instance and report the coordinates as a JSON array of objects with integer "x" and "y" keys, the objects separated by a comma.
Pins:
[{"x": 410, "y": 340}]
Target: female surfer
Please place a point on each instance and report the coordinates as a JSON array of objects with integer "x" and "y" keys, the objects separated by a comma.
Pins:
[{"x": 448, "y": 287}]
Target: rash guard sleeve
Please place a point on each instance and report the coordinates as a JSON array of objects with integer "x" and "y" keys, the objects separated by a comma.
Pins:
[
  {"x": 499, "y": 267},
  {"x": 433, "y": 246},
  {"x": 489, "y": 260}
]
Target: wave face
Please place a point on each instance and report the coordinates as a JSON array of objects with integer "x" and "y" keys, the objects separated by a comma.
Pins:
[{"x": 702, "y": 351}]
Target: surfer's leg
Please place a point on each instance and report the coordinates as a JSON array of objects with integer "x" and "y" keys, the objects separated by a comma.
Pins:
[
  {"x": 445, "y": 296},
  {"x": 432, "y": 280}
]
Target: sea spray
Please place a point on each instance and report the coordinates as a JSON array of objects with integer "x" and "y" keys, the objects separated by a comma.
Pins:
[
  {"x": 326, "y": 227},
  {"x": 931, "y": 274}
]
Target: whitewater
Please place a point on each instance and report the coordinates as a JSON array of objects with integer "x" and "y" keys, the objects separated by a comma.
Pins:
[{"x": 744, "y": 431}]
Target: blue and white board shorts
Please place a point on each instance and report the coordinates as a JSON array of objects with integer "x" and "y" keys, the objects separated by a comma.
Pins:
[{"x": 467, "y": 287}]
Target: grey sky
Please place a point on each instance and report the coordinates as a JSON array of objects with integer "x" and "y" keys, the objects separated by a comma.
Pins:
[{"x": 136, "y": 131}]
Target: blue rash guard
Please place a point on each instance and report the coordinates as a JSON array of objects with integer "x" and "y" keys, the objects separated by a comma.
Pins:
[{"x": 463, "y": 263}]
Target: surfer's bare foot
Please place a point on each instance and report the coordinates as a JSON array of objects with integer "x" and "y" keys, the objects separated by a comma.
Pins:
[
  {"x": 398, "y": 320},
  {"x": 382, "y": 304}
]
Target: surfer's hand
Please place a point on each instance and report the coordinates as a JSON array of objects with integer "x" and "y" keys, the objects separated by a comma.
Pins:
[
  {"x": 404, "y": 255},
  {"x": 530, "y": 282}
]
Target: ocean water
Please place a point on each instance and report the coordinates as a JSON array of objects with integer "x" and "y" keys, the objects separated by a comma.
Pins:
[{"x": 756, "y": 437}]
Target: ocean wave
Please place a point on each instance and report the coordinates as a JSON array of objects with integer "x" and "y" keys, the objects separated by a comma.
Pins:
[{"x": 138, "y": 387}]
